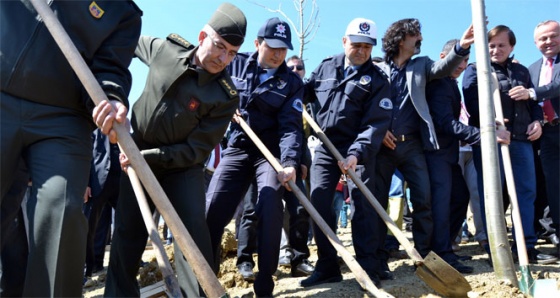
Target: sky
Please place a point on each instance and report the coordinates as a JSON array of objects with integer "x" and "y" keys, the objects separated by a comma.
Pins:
[{"x": 441, "y": 21}]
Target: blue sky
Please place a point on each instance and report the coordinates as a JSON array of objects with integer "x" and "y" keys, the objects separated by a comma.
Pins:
[{"x": 441, "y": 20}]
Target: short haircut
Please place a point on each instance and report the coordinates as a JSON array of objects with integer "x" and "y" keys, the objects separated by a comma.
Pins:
[
  {"x": 296, "y": 57},
  {"x": 500, "y": 29},
  {"x": 449, "y": 46}
]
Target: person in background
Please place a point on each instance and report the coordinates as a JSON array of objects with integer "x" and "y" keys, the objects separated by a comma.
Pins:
[
  {"x": 46, "y": 121},
  {"x": 271, "y": 104},
  {"x": 183, "y": 112},
  {"x": 524, "y": 124},
  {"x": 545, "y": 76}
]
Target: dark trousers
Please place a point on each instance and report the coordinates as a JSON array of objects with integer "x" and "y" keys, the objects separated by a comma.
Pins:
[
  {"x": 408, "y": 157},
  {"x": 450, "y": 199},
  {"x": 238, "y": 168},
  {"x": 185, "y": 190},
  {"x": 93, "y": 210},
  {"x": 325, "y": 175},
  {"x": 55, "y": 144},
  {"x": 550, "y": 158}
]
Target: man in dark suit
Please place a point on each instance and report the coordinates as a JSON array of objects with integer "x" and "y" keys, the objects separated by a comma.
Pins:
[
  {"x": 450, "y": 194},
  {"x": 545, "y": 74}
]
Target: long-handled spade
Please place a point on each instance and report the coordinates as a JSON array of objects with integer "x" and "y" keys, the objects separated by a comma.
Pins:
[
  {"x": 361, "y": 275},
  {"x": 526, "y": 284},
  {"x": 204, "y": 274},
  {"x": 433, "y": 270},
  {"x": 169, "y": 278}
]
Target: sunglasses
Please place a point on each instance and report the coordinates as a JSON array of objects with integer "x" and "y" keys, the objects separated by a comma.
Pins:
[{"x": 298, "y": 67}]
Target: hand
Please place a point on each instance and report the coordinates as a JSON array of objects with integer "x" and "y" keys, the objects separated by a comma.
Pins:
[
  {"x": 87, "y": 194},
  {"x": 287, "y": 174},
  {"x": 519, "y": 93},
  {"x": 534, "y": 131},
  {"x": 303, "y": 169},
  {"x": 349, "y": 163},
  {"x": 123, "y": 159},
  {"x": 235, "y": 116},
  {"x": 389, "y": 141},
  {"x": 468, "y": 38},
  {"x": 503, "y": 136},
  {"x": 104, "y": 114}
]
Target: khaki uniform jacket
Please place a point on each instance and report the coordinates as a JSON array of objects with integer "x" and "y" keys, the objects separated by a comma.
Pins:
[{"x": 183, "y": 111}]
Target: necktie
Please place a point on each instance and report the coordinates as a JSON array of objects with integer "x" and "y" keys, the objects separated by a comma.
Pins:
[{"x": 548, "y": 110}]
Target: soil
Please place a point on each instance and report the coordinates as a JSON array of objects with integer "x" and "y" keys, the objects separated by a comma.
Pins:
[{"x": 483, "y": 280}]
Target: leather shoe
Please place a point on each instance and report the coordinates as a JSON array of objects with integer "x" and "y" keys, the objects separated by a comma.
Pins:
[
  {"x": 460, "y": 267},
  {"x": 385, "y": 273},
  {"x": 284, "y": 261},
  {"x": 246, "y": 271},
  {"x": 536, "y": 257},
  {"x": 395, "y": 253},
  {"x": 318, "y": 278},
  {"x": 463, "y": 258},
  {"x": 302, "y": 269}
]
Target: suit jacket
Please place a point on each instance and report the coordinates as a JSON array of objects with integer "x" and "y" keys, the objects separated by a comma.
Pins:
[
  {"x": 419, "y": 71},
  {"x": 550, "y": 91}
]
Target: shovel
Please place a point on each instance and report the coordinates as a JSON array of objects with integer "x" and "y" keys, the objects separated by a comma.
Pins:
[
  {"x": 361, "y": 276},
  {"x": 169, "y": 278},
  {"x": 433, "y": 270},
  {"x": 204, "y": 274},
  {"x": 526, "y": 284}
]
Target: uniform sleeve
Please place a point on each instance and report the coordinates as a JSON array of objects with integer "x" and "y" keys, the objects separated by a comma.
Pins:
[
  {"x": 290, "y": 128},
  {"x": 470, "y": 94},
  {"x": 374, "y": 124},
  {"x": 440, "y": 97},
  {"x": 147, "y": 48},
  {"x": 112, "y": 59},
  {"x": 200, "y": 142}
]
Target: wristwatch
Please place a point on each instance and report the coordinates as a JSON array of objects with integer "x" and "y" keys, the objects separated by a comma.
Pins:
[{"x": 532, "y": 94}]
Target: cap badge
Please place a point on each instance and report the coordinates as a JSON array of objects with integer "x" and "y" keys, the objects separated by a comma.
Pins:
[
  {"x": 280, "y": 30},
  {"x": 364, "y": 27},
  {"x": 95, "y": 10}
]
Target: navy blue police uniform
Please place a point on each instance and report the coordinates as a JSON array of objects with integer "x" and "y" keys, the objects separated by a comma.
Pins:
[
  {"x": 273, "y": 111},
  {"x": 354, "y": 112}
]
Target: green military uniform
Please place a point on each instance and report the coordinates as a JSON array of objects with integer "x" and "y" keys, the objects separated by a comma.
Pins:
[{"x": 180, "y": 117}]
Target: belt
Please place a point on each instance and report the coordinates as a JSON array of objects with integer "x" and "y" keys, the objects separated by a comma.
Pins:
[{"x": 404, "y": 138}]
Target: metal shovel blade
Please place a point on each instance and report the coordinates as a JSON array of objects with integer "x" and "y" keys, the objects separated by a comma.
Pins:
[{"x": 441, "y": 277}]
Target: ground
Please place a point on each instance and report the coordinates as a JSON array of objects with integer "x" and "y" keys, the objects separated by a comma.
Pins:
[{"x": 406, "y": 284}]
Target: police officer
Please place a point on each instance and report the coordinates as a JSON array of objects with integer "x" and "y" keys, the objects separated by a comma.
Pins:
[
  {"x": 182, "y": 114},
  {"x": 354, "y": 112},
  {"x": 271, "y": 104},
  {"x": 45, "y": 120}
]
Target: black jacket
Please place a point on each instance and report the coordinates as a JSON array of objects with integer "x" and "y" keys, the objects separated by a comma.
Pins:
[{"x": 33, "y": 67}]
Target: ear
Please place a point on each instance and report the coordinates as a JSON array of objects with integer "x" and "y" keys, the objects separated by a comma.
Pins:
[
  {"x": 201, "y": 36},
  {"x": 257, "y": 43},
  {"x": 441, "y": 55},
  {"x": 344, "y": 41}
]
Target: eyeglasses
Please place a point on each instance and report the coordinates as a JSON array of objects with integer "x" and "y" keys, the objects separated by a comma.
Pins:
[
  {"x": 220, "y": 46},
  {"x": 298, "y": 67}
]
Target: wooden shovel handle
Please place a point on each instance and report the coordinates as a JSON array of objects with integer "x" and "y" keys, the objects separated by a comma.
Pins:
[
  {"x": 169, "y": 278},
  {"x": 401, "y": 237},
  {"x": 361, "y": 275},
  {"x": 202, "y": 270}
]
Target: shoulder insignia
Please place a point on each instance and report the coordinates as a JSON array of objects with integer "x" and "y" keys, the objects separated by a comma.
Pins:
[
  {"x": 95, "y": 10},
  {"x": 175, "y": 38},
  {"x": 298, "y": 105},
  {"x": 386, "y": 104},
  {"x": 228, "y": 87}
]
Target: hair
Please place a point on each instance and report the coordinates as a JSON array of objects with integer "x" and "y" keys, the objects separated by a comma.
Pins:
[
  {"x": 449, "y": 46},
  {"x": 545, "y": 23},
  {"x": 296, "y": 57},
  {"x": 396, "y": 33},
  {"x": 500, "y": 29},
  {"x": 260, "y": 39}
]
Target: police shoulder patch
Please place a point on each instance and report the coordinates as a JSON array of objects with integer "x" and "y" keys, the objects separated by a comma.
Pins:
[
  {"x": 386, "y": 104},
  {"x": 298, "y": 105},
  {"x": 95, "y": 10},
  {"x": 177, "y": 39}
]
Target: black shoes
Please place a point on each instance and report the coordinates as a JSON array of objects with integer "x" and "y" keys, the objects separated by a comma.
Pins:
[
  {"x": 461, "y": 267},
  {"x": 318, "y": 278},
  {"x": 536, "y": 257},
  {"x": 246, "y": 271},
  {"x": 384, "y": 273},
  {"x": 302, "y": 269}
]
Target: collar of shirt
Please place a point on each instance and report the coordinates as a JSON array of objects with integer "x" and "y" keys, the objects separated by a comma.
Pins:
[{"x": 268, "y": 72}]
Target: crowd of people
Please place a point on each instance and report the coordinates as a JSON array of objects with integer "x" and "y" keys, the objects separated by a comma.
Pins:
[{"x": 398, "y": 119}]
